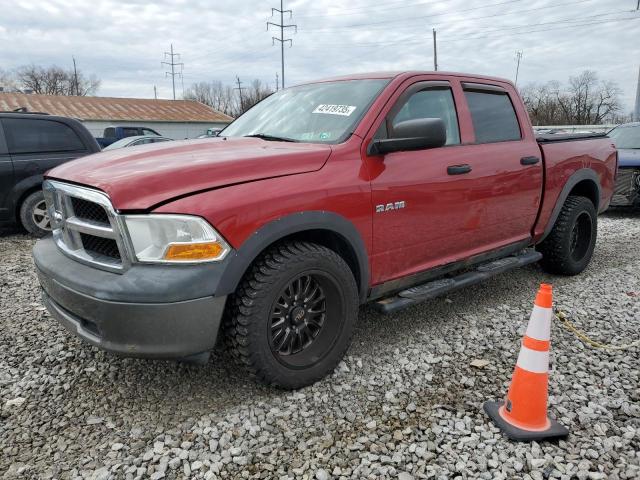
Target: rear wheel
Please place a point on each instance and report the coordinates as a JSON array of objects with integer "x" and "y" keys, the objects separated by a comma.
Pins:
[
  {"x": 567, "y": 250},
  {"x": 291, "y": 319},
  {"x": 34, "y": 216}
]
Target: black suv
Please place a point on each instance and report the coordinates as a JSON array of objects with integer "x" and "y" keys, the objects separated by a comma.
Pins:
[{"x": 31, "y": 144}]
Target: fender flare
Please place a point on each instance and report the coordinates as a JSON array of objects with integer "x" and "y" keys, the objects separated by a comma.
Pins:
[
  {"x": 291, "y": 224},
  {"x": 574, "y": 179}
]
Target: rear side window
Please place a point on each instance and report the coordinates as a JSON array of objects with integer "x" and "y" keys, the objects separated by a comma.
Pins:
[
  {"x": 110, "y": 132},
  {"x": 148, "y": 131},
  {"x": 40, "y": 136},
  {"x": 494, "y": 118},
  {"x": 130, "y": 132}
]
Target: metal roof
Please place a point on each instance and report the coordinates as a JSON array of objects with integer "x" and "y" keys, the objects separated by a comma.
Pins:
[{"x": 111, "y": 109}]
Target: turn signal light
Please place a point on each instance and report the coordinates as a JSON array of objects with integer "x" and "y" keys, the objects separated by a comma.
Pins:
[{"x": 194, "y": 251}]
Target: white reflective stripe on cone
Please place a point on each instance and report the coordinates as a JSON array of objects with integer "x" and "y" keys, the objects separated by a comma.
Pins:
[
  {"x": 533, "y": 360},
  {"x": 540, "y": 323}
]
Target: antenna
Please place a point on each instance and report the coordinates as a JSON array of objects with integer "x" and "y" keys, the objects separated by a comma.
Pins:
[{"x": 282, "y": 26}]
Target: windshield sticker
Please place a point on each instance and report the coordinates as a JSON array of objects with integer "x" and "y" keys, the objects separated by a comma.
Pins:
[
  {"x": 344, "y": 110},
  {"x": 324, "y": 136}
]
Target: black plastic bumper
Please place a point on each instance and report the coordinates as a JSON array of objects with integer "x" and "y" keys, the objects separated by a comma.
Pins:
[{"x": 168, "y": 315}]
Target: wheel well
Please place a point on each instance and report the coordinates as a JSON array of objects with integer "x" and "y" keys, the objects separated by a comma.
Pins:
[
  {"x": 588, "y": 189},
  {"x": 333, "y": 241}
]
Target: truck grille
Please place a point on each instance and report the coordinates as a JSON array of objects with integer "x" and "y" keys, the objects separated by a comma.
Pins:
[
  {"x": 89, "y": 211},
  {"x": 101, "y": 246},
  {"x": 85, "y": 225},
  {"x": 627, "y": 187}
]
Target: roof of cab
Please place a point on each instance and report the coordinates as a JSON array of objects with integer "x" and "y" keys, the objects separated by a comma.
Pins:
[{"x": 405, "y": 74}]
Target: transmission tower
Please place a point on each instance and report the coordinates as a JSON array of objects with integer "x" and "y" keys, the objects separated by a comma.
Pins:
[
  {"x": 282, "y": 26},
  {"x": 173, "y": 64}
]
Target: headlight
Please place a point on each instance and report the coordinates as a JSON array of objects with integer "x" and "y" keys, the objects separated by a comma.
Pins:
[{"x": 174, "y": 239}]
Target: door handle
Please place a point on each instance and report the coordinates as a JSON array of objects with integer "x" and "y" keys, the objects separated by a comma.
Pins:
[
  {"x": 529, "y": 160},
  {"x": 458, "y": 169}
]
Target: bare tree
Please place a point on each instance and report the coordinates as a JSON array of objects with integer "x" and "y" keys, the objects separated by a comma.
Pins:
[
  {"x": 584, "y": 101},
  {"x": 55, "y": 80},
  {"x": 225, "y": 98}
]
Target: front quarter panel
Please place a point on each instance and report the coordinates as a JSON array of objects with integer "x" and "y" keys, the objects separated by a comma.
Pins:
[{"x": 253, "y": 215}]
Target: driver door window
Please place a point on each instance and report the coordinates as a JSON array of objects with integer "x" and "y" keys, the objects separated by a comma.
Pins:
[{"x": 428, "y": 103}]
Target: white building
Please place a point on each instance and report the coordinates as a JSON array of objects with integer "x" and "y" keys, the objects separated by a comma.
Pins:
[{"x": 175, "y": 119}]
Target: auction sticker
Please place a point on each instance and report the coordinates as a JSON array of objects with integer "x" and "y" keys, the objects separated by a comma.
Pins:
[{"x": 344, "y": 110}]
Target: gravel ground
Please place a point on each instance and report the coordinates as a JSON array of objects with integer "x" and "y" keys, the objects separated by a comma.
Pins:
[{"x": 405, "y": 403}]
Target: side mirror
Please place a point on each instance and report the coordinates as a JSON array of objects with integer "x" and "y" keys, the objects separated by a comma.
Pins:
[{"x": 416, "y": 134}]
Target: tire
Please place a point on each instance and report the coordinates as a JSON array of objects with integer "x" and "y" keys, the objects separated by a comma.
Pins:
[
  {"x": 568, "y": 248},
  {"x": 277, "y": 323},
  {"x": 33, "y": 215}
]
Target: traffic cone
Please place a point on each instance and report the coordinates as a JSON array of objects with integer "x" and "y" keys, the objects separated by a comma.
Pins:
[{"x": 523, "y": 414}]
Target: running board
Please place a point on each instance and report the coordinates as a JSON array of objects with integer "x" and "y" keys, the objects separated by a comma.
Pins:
[{"x": 435, "y": 288}]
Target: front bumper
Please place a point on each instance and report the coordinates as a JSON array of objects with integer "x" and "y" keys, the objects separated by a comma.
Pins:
[{"x": 153, "y": 311}]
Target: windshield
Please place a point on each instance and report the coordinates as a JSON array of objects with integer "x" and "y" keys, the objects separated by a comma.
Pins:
[
  {"x": 315, "y": 113},
  {"x": 626, "y": 137}
]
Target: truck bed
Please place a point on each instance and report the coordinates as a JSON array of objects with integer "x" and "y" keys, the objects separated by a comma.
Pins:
[{"x": 590, "y": 155}]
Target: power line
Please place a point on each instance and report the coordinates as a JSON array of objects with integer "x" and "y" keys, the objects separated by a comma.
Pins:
[
  {"x": 421, "y": 17},
  {"x": 282, "y": 26},
  {"x": 408, "y": 40},
  {"x": 323, "y": 45},
  {"x": 490, "y": 35},
  {"x": 172, "y": 64},
  {"x": 368, "y": 9}
]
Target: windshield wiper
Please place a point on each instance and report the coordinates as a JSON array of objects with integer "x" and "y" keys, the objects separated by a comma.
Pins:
[{"x": 272, "y": 138}]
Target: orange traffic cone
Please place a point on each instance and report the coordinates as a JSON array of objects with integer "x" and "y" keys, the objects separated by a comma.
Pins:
[{"x": 523, "y": 414}]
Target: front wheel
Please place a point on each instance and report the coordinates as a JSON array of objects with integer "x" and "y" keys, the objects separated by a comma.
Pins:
[
  {"x": 568, "y": 248},
  {"x": 34, "y": 216},
  {"x": 291, "y": 319}
]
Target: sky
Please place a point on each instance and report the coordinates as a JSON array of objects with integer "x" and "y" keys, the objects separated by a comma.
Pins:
[{"x": 123, "y": 42}]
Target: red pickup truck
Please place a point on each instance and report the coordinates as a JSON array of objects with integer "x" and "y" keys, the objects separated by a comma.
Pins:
[{"x": 384, "y": 188}]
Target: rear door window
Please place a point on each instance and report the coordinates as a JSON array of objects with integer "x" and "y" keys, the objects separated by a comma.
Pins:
[
  {"x": 494, "y": 118},
  {"x": 40, "y": 136}
]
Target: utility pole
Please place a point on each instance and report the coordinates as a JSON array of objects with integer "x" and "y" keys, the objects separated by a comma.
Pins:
[
  {"x": 240, "y": 88},
  {"x": 277, "y": 81},
  {"x": 518, "y": 58},
  {"x": 173, "y": 64},
  {"x": 282, "y": 26},
  {"x": 75, "y": 76},
  {"x": 636, "y": 113},
  {"x": 435, "y": 51},
  {"x": 155, "y": 92}
]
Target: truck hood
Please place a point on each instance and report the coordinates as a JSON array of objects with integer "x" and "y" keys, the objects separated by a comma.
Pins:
[
  {"x": 629, "y": 157},
  {"x": 138, "y": 178}
]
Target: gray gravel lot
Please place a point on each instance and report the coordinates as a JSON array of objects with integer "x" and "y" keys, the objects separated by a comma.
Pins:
[{"x": 404, "y": 404}]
